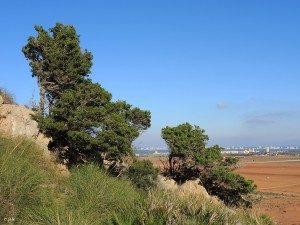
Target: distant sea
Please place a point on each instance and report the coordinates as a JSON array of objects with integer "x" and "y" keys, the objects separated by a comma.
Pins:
[
  {"x": 165, "y": 152},
  {"x": 271, "y": 150},
  {"x": 152, "y": 152}
]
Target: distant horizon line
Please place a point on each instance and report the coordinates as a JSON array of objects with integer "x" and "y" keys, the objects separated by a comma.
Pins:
[{"x": 291, "y": 147}]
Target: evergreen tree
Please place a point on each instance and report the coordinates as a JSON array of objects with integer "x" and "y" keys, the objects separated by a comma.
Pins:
[
  {"x": 188, "y": 151},
  {"x": 82, "y": 121},
  {"x": 190, "y": 159},
  {"x": 57, "y": 61}
]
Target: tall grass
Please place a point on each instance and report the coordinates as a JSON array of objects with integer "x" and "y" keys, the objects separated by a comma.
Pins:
[
  {"x": 167, "y": 208},
  {"x": 24, "y": 179},
  {"x": 89, "y": 196},
  {"x": 96, "y": 195},
  {"x": 8, "y": 98},
  {"x": 33, "y": 192}
]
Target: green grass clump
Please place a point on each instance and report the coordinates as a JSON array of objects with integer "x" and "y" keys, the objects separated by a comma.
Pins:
[
  {"x": 89, "y": 196},
  {"x": 143, "y": 174},
  {"x": 97, "y": 195},
  {"x": 33, "y": 192},
  {"x": 25, "y": 181}
]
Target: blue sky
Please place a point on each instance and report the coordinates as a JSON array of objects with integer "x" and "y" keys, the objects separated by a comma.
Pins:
[{"x": 231, "y": 67}]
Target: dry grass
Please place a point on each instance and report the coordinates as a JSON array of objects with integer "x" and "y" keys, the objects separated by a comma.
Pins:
[{"x": 8, "y": 97}]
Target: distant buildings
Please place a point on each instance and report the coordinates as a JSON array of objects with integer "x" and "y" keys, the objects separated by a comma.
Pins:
[{"x": 267, "y": 150}]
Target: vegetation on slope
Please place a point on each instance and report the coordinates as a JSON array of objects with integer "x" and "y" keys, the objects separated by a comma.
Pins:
[
  {"x": 87, "y": 129},
  {"x": 32, "y": 191},
  {"x": 85, "y": 126},
  {"x": 26, "y": 179},
  {"x": 191, "y": 159}
]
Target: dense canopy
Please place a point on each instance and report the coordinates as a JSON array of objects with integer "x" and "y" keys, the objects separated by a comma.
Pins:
[{"x": 81, "y": 118}]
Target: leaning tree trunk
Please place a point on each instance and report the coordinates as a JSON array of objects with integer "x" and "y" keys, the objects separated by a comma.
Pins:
[{"x": 42, "y": 99}]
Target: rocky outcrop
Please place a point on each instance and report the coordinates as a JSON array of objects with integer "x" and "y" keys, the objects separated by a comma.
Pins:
[
  {"x": 187, "y": 188},
  {"x": 193, "y": 187},
  {"x": 15, "y": 120},
  {"x": 166, "y": 184}
]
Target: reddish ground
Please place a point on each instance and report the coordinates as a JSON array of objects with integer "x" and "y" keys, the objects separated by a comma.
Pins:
[
  {"x": 281, "y": 180},
  {"x": 279, "y": 183}
]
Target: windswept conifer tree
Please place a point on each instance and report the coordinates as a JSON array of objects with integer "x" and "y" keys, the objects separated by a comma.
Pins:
[
  {"x": 82, "y": 121},
  {"x": 57, "y": 61},
  {"x": 191, "y": 159}
]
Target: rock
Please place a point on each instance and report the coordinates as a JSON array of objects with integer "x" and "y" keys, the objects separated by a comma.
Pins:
[
  {"x": 166, "y": 184},
  {"x": 15, "y": 120},
  {"x": 193, "y": 187},
  {"x": 1, "y": 100},
  {"x": 188, "y": 188}
]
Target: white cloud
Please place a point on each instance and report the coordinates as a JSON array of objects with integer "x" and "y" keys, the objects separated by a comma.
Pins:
[{"x": 222, "y": 105}]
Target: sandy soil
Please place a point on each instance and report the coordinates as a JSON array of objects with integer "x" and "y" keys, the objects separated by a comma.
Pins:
[
  {"x": 279, "y": 183},
  {"x": 276, "y": 178},
  {"x": 283, "y": 177},
  {"x": 284, "y": 209}
]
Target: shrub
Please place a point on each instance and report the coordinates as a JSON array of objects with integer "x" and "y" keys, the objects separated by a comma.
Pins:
[
  {"x": 191, "y": 159},
  {"x": 227, "y": 186},
  {"x": 230, "y": 162},
  {"x": 143, "y": 174}
]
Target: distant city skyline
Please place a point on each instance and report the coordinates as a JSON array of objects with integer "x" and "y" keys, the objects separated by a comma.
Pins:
[
  {"x": 231, "y": 147},
  {"x": 231, "y": 67}
]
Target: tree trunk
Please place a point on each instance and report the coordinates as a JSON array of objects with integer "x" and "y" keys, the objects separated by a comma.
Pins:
[
  {"x": 171, "y": 169},
  {"x": 42, "y": 99}
]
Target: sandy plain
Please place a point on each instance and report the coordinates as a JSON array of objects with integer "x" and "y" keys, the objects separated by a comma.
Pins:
[{"x": 278, "y": 180}]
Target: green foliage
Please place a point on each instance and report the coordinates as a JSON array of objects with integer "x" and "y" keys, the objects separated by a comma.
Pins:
[
  {"x": 210, "y": 156},
  {"x": 89, "y": 196},
  {"x": 230, "y": 162},
  {"x": 74, "y": 121},
  {"x": 190, "y": 159},
  {"x": 57, "y": 60},
  {"x": 33, "y": 192},
  {"x": 96, "y": 195},
  {"x": 229, "y": 187},
  {"x": 188, "y": 151},
  {"x": 25, "y": 180},
  {"x": 143, "y": 174},
  {"x": 185, "y": 140},
  {"x": 8, "y": 98},
  {"x": 82, "y": 121},
  {"x": 86, "y": 126}
]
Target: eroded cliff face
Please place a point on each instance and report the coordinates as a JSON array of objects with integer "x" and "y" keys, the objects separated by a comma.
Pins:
[{"x": 15, "y": 120}]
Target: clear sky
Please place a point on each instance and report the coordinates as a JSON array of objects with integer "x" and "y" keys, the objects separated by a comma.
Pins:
[{"x": 231, "y": 67}]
